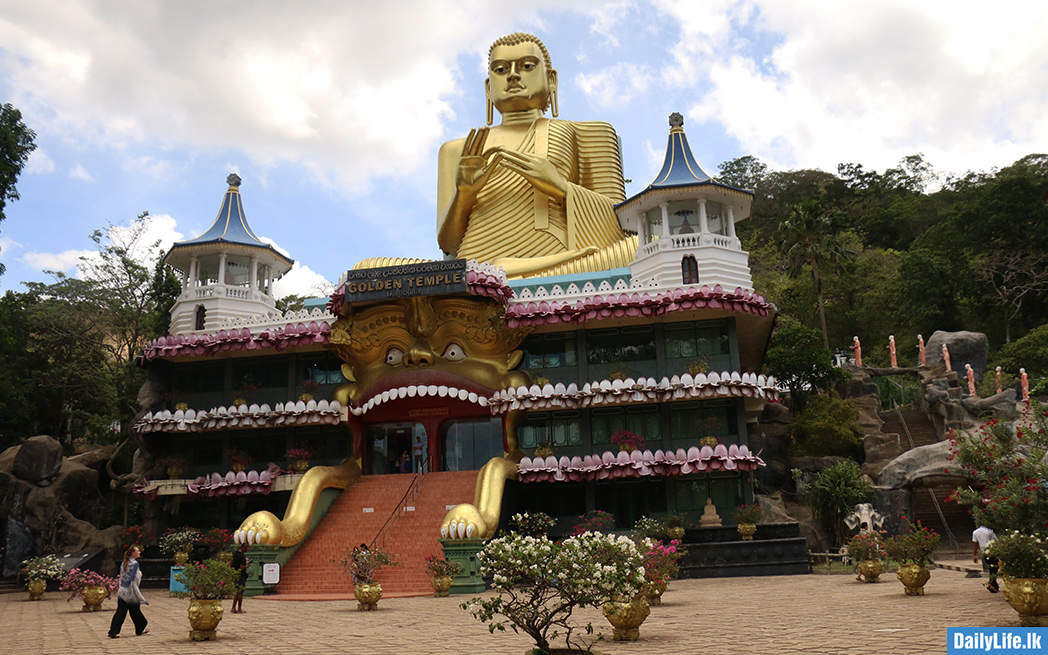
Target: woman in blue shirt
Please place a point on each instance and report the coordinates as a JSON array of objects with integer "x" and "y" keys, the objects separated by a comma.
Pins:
[{"x": 129, "y": 598}]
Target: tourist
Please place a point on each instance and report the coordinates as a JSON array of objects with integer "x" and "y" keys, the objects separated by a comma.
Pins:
[
  {"x": 981, "y": 538},
  {"x": 240, "y": 563},
  {"x": 129, "y": 598}
]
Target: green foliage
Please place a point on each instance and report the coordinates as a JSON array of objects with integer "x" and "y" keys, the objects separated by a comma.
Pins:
[
  {"x": 437, "y": 566},
  {"x": 16, "y": 144},
  {"x": 179, "y": 540},
  {"x": 208, "y": 580},
  {"x": 913, "y": 547},
  {"x": 743, "y": 172},
  {"x": 835, "y": 491},
  {"x": 647, "y": 527},
  {"x": 866, "y": 545},
  {"x": 1029, "y": 352},
  {"x": 798, "y": 360},
  {"x": 899, "y": 391},
  {"x": 362, "y": 564},
  {"x": 1021, "y": 555},
  {"x": 748, "y": 513},
  {"x": 45, "y": 567},
  {"x": 827, "y": 426}
]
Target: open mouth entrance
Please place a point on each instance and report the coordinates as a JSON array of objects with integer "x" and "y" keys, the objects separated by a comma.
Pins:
[{"x": 461, "y": 444}]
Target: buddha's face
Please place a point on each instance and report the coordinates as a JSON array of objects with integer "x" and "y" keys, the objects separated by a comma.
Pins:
[{"x": 518, "y": 79}]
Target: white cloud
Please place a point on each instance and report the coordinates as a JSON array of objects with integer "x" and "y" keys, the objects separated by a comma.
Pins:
[
  {"x": 39, "y": 163},
  {"x": 608, "y": 17},
  {"x": 80, "y": 173},
  {"x": 615, "y": 85},
  {"x": 302, "y": 281},
  {"x": 8, "y": 244},
  {"x": 64, "y": 262},
  {"x": 874, "y": 83}
]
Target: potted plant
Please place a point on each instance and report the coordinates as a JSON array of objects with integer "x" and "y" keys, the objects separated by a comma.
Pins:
[
  {"x": 674, "y": 526},
  {"x": 137, "y": 535},
  {"x": 38, "y": 570},
  {"x": 238, "y": 459},
  {"x": 532, "y": 524},
  {"x": 747, "y": 517},
  {"x": 661, "y": 564},
  {"x": 92, "y": 587},
  {"x": 310, "y": 388},
  {"x": 174, "y": 466},
  {"x": 361, "y": 564},
  {"x": 217, "y": 540},
  {"x": 178, "y": 542},
  {"x": 540, "y": 584},
  {"x": 648, "y": 528},
  {"x": 206, "y": 584},
  {"x": 627, "y": 441},
  {"x": 913, "y": 551},
  {"x": 1024, "y": 562},
  {"x": 298, "y": 457},
  {"x": 866, "y": 549},
  {"x": 440, "y": 571},
  {"x": 595, "y": 521}
]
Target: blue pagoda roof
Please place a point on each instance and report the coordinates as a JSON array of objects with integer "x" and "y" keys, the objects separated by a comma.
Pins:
[{"x": 231, "y": 225}]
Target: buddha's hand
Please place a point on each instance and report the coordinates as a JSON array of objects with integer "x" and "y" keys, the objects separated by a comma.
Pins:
[
  {"x": 542, "y": 174},
  {"x": 463, "y": 522},
  {"x": 260, "y": 528},
  {"x": 474, "y": 167}
]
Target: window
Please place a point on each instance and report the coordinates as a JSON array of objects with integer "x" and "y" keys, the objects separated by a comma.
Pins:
[
  {"x": 726, "y": 493},
  {"x": 558, "y": 429},
  {"x": 642, "y": 420},
  {"x": 206, "y": 377},
  {"x": 324, "y": 369},
  {"x": 697, "y": 339},
  {"x": 550, "y": 351},
  {"x": 260, "y": 373},
  {"x": 689, "y": 269},
  {"x": 629, "y": 344},
  {"x": 467, "y": 445},
  {"x": 201, "y": 315},
  {"x": 692, "y": 421}
]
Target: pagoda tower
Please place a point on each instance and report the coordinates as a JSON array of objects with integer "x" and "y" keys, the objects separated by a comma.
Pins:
[
  {"x": 227, "y": 272},
  {"x": 685, "y": 221}
]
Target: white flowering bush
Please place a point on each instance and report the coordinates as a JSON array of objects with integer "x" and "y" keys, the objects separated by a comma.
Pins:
[
  {"x": 45, "y": 567},
  {"x": 541, "y": 582}
]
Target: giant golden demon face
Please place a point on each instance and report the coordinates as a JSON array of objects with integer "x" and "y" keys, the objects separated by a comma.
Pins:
[{"x": 457, "y": 342}]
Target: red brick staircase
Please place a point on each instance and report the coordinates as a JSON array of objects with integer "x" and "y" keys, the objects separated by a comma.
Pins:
[{"x": 414, "y": 535}]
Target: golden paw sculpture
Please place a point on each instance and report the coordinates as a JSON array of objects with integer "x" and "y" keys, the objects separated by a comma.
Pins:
[
  {"x": 265, "y": 528},
  {"x": 479, "y": 520}
]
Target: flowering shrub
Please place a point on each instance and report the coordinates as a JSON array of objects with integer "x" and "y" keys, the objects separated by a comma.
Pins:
[
  {"x": 208, "y": 580},
  {"x": 79, "y": 579},
  {"x": 217, "y": 538},
  {"x": 1021, "y": 555},
  {"x": 532, "y": 524},
  {"x": 866, "y": 545},
  {"x": 46, "y": 567},
  {"x": 648, "y": 528},
  {"x": 137, "y": 535},
  {"x": 541, "y": 582},
  {"x": 237, "y": 457},
  {"x": 1008, "y": 468},
  {"x": 439, "y": 566},
  {"x": 662, "y": 561},
  {"x": 362, "y": 565},
  {"x": 299, "y": 452},
  {"x": 595, "y": 521},
  {"x": 748, "y": 513},
  {"x": 914, "y": 547},
  {"x": 179, "y": 540},
  {"x": 626, "y": 440}
]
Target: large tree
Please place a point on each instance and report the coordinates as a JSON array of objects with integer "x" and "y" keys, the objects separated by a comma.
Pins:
[{"x": 16, "y": 143}]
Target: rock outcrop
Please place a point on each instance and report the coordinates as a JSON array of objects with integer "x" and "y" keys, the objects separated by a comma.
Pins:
[
  {"x": 965, "y": 348},
  {"x": 923, "y": 466},
  {"x": 39, "y": 460}
]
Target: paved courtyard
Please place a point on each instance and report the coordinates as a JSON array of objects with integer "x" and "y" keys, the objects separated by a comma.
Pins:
[{"x": 824, "y": 614}]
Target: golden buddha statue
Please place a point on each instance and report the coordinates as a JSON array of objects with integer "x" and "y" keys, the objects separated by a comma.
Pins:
[{"x": 533, "y": 195}]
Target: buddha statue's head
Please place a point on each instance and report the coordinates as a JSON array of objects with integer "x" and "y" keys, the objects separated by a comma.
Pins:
[{"x": 520, "y": 76}]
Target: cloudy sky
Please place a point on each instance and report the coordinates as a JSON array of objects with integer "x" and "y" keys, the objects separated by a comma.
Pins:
[{"x": 332, "y": 111}]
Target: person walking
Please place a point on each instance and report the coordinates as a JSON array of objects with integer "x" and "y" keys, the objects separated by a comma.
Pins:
[
  {"x": 240, "y": 563},
  {"x": 129, "y": 598},
  {"x": 981, "y": 538}
]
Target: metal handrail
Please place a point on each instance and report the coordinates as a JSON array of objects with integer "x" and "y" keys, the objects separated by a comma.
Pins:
[
  {"x": 935, "y": 501},
  {"x": 413, "y": 491}
]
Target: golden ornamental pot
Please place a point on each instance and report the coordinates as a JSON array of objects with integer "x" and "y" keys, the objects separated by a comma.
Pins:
[
  {"x": 871, "y": 569},
  {"x": 238, "y": 467},
  {"x": 181, "y": 557},
  {"x": 747, "y": 530},
  {"x": 627, "y": 617},
  {"x": 175, "y": 472},
  {"x": 441, "y": 584},
  {"x": 224, "y": 556},
  {"x": 93, "y": 596},
  {"x": 653, "y": 590},
  {"x": 675, "y": 532},
  {"x": 204, "y": 617},
  {"x": 37, "y": 589},
  {"x": 1028, "y": 597},
  {"x": 913, "y": 577},
  {"x": 300, "y": 465},
  {"x": 368, "y": 594},
  {"x": 305, "y": 397}
]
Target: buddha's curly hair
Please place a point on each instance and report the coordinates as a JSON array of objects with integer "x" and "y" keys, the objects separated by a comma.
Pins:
[{"x": 522, "y": 37}]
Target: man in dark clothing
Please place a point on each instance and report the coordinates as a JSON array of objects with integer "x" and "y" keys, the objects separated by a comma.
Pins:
[{"x": 240, "y": 563}]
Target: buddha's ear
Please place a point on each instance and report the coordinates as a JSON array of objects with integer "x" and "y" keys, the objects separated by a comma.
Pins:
[
  {"x": 552, "y": 80},
  {"x": 487, "y": 88}
]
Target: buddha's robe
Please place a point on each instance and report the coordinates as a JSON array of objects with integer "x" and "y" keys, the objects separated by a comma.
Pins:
[{"x": 512, "y": 219}]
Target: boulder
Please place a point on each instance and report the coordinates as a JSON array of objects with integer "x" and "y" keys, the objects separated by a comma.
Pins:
[
  {"x": 771, "y": 438},
  {"x": 965, "y": 348},
  {"x": 77, "y": 487},
  {"x": 39, "y": 460},
  {"x": 880, "y": 449},
  {"x": 773, "y": 510},
  {"x": 18, "y": 542},
  {"x": 7, "y": 459},
  {"x": 923, "y": 466},
  {"x": 1001, "y": 405}
]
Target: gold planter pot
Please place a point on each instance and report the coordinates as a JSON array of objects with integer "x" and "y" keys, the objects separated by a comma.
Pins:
[
  {"x": 204, "y": 617},
  {"x": 300, "y": 465},
  {"x": 871, "y": 569},
  {"x": 368, "y": 595},
  {"x": 1028, "y": 597},
  {"x": 224, "y": 556},
  {"x": 653, "y": 590},
  {"x": 37, "y": 589},
  {"x": 627, "y": 617},
  {"x": 441, "y": 584},
  {"x": 913, "y": 577},
  {"x": 181, "y": 558},
  {"x": 747, "y": 530},
  {"x": 93, "y": 597},
  {"x": 675, "y": 533}
]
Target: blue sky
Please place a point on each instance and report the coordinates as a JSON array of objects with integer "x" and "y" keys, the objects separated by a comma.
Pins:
[{"x": 332, "y": 112}]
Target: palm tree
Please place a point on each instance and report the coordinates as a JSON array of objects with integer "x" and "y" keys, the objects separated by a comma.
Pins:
[{"x": 812, "y": 237}]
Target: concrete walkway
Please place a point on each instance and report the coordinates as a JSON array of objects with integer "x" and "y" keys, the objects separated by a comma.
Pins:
[{"x": 823, "y": 614}]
